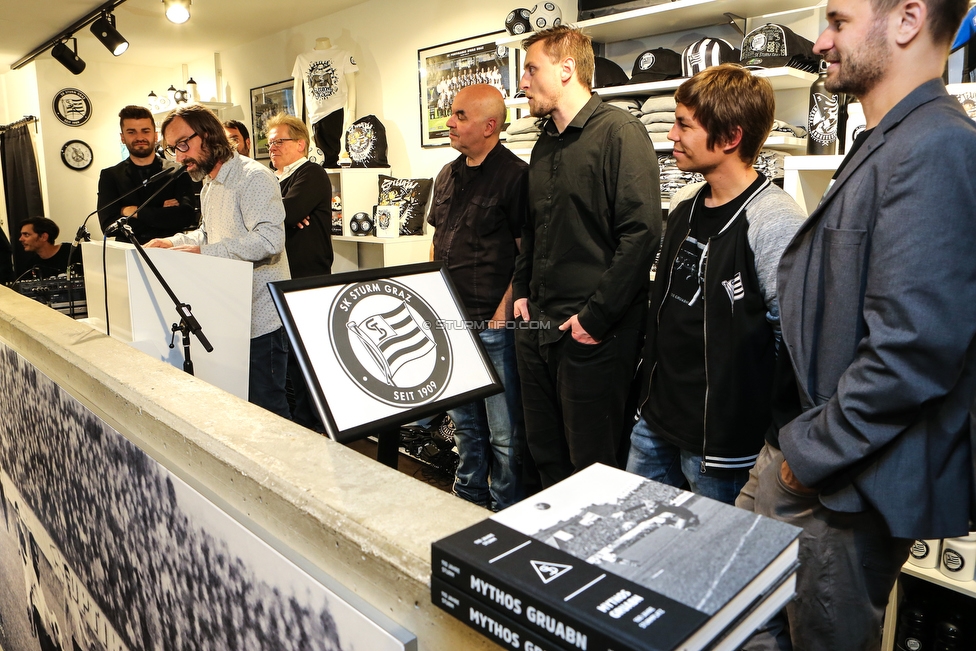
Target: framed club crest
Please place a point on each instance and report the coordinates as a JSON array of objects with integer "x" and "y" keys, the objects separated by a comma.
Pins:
[{"x": 383, "y": 347}]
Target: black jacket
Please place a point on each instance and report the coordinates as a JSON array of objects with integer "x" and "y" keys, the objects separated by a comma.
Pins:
[
  {"x": 741, "y": 323},
  {"x": 307, "y": 192},
  {"x": 154, "y": 220}
]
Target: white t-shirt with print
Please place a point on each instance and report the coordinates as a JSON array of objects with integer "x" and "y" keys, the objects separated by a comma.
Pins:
[{"x": 323, "y": 74}]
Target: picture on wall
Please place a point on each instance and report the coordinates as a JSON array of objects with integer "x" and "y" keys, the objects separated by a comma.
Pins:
[
  {"x": 383, "y": 347},
  {"x": 103, "y": 547},
  {"x": 266, "y": 101},
  {"x": 446, "y": 69}
]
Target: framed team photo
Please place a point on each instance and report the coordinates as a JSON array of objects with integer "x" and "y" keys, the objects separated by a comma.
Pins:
[
  {"x": 383, "y": 347},
  {"x": 267, "y": 101},
  {"x": 446, "y": 69}
]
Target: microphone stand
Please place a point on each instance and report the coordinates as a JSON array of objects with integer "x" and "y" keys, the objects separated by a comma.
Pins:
[{"x": 188, "y": 323}]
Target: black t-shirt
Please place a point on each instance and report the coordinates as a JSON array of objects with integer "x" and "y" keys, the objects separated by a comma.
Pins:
[
  {"x": 676, "y": 403},
  {"x": 55, "y": 265}
]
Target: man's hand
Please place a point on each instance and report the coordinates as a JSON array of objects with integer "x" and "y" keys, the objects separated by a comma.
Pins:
[
  {"x": 128, "y": 210},
  {"x": 171, "y": 203},
  {"x": 189, "y": 248},
  {"x": 302, "y": 224},
  {"x": 579, "y": 334},
  {"x": 521, "y": 309},
  {"x": 791, "y": 482},
  {"x": 157, "y": 243}
]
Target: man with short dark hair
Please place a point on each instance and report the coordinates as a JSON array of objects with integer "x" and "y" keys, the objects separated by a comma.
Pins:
[
  {"x": 713, "y": 323},
  {"x": 478, "y": 213},
  {"x": 38, "y": 236},
  {"x": 593, "y": 227},
  {"x": 877, "y": 296},
  {"x": 238, "y": 136},
  {"x": 174, "y": 210},
  {"x": 243, "y": 219}
]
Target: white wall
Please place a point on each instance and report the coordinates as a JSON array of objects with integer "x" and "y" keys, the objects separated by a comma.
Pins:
[{"x": 383, "y": 36}]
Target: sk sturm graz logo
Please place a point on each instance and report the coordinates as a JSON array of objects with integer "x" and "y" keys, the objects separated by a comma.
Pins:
[
  {"x": 823, "y": 118},
  {"x": 381, "y": 334},
  {"x": 323, "y": 79}
]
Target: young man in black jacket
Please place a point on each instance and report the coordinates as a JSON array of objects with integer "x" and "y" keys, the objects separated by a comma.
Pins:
[{"x": 713, "y": 325}]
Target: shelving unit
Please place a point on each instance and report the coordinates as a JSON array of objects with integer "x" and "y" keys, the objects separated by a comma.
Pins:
[
  {"x": 353, "y": 252},
  {"x": 673, "y": 17}
]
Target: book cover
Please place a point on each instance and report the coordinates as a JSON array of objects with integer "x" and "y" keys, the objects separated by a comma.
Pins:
[{"x": 623, "y": 561}]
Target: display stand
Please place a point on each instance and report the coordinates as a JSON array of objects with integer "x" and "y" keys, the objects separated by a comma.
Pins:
[{"x": 141, "y": 312}]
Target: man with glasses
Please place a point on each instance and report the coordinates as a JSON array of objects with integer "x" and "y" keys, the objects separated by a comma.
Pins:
[
  {"x": 243, "y": 219},
  {"x": 238, "y": 136},
  {"x": 307, "y": 194},
  {"x": 174, "y": 210}
]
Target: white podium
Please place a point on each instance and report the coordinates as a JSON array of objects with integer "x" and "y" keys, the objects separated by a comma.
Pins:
[{"x": 141, "y": 313}]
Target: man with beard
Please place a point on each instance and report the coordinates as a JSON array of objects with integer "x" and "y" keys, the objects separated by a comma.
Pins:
[
  {"x": 871, "y": 445},
  {"x": 238, "y": 136},
  {"x": 243, "y": 219},
  {"x": 175, "y": 209},
  {"x": 593, "y": 226}
]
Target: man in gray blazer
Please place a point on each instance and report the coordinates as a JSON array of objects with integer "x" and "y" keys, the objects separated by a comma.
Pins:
[{"x": 878, "y": 305}]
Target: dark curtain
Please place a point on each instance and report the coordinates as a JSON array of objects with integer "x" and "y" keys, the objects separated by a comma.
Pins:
[{"x": 21, "y": 185}]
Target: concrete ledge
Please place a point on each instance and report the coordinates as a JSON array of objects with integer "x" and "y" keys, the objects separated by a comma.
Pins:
[{"x": 364, "y": 524}]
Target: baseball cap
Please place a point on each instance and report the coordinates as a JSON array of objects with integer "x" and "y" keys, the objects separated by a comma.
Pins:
[
  {"x": 776, "y": 46},
  {"x": 656, "y": 65},
  {"x": 607, "y": 73},
  {"x": 705, "y": 53}
]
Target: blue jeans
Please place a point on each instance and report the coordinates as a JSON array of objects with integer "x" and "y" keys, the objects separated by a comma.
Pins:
[
  {"x": 653, "y": 457},
  {"x": 267, "y": 372},
  {"x": 489, "y": 433}
]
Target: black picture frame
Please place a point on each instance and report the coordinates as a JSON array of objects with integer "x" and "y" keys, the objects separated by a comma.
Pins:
[
  {"x": 439, "y": 79},
  {"x": 395, "y": 347},
  {"x": 267, "y": 101}
]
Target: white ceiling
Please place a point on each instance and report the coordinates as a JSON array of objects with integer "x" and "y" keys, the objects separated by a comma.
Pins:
[{"x": 214, "y": 25}]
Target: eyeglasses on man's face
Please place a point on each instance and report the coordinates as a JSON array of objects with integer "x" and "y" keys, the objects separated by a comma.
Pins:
[
  {"x": 181, "y": 146},
  {"x": 274, "y": 144}
]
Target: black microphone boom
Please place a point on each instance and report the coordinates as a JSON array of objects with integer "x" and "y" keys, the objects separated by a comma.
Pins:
[{"x": 172, "y": 172}]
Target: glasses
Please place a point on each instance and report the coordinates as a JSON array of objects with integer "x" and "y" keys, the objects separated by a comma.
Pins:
[
  {"x": 233, "y": 140},
  {"x": 182, "y": 146},
  {"x": 277, "y": 143}
]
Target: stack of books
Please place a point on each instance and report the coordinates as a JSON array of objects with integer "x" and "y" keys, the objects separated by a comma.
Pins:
[{"x": 609, "y": 561}]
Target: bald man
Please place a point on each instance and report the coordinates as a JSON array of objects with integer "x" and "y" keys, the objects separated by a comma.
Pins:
[{"x": 478, "y": 212}]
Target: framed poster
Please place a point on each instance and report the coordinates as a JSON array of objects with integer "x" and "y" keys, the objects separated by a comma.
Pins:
[
  {"x": 383, "y": 347},
  {"x": 266, "y": 101},
  {"x": 446, "y": 69}
]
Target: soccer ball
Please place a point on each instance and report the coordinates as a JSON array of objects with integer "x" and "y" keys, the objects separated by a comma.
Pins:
[
  {"x": 545, "y": 15},
  {"x": 361, "y": 224},
  {"x": 517, "y": 21}
]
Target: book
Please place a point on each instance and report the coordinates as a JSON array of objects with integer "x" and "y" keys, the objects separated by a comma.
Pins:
[
  {"x": 609, "y": 560},
  {"x": 496, "y": 626}
]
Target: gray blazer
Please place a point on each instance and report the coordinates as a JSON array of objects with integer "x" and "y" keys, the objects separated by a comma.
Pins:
[{"x": 877, "y": 298}]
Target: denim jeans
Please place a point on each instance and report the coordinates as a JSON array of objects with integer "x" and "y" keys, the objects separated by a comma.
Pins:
[
  {"x": 267, "y": 372},
  {"x": 489, "y": 432},
  {"x": 653, "y": 457}
]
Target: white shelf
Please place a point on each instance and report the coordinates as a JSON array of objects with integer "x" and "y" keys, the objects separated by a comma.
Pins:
[
  {"x": 372, "y": 239},
  {"x": 967, "y": 588},
  {"x": 672, "y": 17},
  {"x": 813, "y": 163},
  {"x": 779, "y": 143},
  {"x": 780, "y": 78}
]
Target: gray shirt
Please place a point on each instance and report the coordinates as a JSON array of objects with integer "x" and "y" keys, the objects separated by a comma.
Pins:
[{"x": 243, "y": 219}]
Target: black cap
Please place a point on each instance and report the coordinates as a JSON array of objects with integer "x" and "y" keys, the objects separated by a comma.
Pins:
[
  {"x": 607, "y": 73},
  {"x": 776, "y": 46},
  {"x": 658, "y": 64}
]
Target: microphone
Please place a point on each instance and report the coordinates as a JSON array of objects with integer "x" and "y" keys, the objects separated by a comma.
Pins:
[
  {"x": 169, "y": 172},
  {"x": 170, "y": 175}
]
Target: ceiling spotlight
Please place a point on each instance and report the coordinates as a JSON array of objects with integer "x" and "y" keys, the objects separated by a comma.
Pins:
[
  {"x": 68, "y": 57},
  {"x": 177, "y": 11},
  {"x": 104, "y": 30}
]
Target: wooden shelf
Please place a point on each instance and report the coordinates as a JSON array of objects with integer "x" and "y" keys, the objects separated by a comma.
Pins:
[
  {"x": 967, "y": 588},
  {"x": 672, "y": 17}
]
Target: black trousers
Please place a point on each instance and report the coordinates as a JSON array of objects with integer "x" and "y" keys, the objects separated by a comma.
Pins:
[
  {"x": 574, "y": 397},
  {"x": 327, "y": 133}
]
